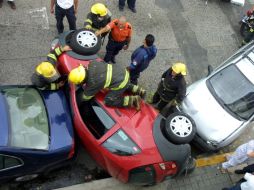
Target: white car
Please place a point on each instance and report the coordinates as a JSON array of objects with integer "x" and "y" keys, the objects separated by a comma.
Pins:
[{"x": 222, "y": 104}]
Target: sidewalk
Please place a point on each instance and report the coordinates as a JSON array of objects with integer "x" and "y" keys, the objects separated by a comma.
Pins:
[{"x": 205, "y": 178}]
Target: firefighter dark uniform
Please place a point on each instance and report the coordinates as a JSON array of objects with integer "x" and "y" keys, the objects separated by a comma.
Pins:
[
  {"x": 98, "y": 18},
  {"x": 92, "y": 21},
  {"x": 249, "y": 36},
  {"x": 172, "y": 87},
  {"x": 100, "y": 76},
  {"x": 46, "y": 76}
]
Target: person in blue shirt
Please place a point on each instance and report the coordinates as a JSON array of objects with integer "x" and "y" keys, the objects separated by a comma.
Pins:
[{"x": 141, "y": 58}]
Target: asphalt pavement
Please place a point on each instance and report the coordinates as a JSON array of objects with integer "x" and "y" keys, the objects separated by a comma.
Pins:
[{"x": 192, "y": 31}]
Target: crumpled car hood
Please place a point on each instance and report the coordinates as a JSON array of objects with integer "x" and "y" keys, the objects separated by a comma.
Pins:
[{"x": 212, "y": 121}]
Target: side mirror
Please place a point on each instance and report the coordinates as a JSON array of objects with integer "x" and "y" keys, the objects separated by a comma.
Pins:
[{"x": 209, "y": 69}]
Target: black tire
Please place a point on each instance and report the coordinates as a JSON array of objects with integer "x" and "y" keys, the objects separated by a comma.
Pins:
[
  {"x": 244, "y": 30},
  {"x": 79, "y": 37},
  {"x": 172, "y": 132}
]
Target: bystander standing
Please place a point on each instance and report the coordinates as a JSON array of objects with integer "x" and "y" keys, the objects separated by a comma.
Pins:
[{"x": 63, "y": 8}]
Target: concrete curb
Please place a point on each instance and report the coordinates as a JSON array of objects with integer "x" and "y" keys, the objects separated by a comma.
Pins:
[{"x": 111, "y": 184}]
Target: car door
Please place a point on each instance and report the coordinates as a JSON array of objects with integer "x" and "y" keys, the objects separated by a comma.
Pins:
[{"x": 10, "y": 166}]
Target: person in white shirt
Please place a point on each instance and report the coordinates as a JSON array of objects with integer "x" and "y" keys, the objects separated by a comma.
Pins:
[
  {"x": 242, "y": 154},
  {"x": 64, "y": 8},
  {"x": 246, "y": 185}
]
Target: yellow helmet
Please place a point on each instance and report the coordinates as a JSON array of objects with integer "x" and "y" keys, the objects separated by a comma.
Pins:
[
  {"x": 99, "y": 9},
  {"x": 46, "y": 69},
  {"x": 179, "y": 68},
  {"x": 77, "y": 75}
]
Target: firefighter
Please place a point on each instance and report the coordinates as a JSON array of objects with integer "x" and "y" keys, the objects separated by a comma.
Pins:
[
  {"x": 119, "y": 37},
  {"x": 172, "y": 88},
  {"x": 98, "y": 18},
  {"x": 46, "y": 76},
  {"x": 100, "y": 76},
  {"x": 248, "y": 37}
]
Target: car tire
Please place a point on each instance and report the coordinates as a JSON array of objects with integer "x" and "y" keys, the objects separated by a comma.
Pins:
[
  {"x": 85, "y": 42},
  {"x": 180, "y": 128},
  {"x": 26, "y": 177}
]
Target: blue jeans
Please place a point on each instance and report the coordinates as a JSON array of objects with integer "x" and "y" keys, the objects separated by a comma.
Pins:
[
  {"x": 60, "y": 13},
  {"x": 131, "y": 3}
]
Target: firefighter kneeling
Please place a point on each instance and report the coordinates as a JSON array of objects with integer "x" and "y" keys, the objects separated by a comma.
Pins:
[{"x": 99, "y": 76}]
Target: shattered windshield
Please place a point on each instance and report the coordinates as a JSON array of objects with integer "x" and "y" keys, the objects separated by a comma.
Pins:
[{"x": 234, "y": 91}]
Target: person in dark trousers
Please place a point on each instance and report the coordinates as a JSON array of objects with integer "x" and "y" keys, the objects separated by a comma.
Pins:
[
  {"x": 247, "y": 169},
  {"x": 99, "y": 76},
  {"x": 172, "y": 88},
  {"x": 64, "y": 8},
  {"x": 141, "y": 58},
  {"x": 246, "y": 184},
  {"x": 119, "y": 37},
  {"x": 46, "y": 76},
  {"x": 11, "y": 3},
  {"x": 131, "y": 5},
  {"x": 98, "y": 18}
]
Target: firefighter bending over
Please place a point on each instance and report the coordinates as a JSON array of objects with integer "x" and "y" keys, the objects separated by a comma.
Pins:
[{"x": 99, "y": 76}]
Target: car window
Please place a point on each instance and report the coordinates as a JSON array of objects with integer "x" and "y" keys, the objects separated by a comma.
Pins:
[
  {"x": 234, "y": 91},
  {"x": 121, "y": 144},
  {"x": 9, "y": 162},
  {"x": 28, "y": 118},
  {"x": 1, "y": 162},
  {"x": 96, "y": 118}
]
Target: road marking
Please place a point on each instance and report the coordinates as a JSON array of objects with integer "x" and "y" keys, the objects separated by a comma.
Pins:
[
  {"x": 211, "y": 160},
  {"x": 149, "y": 14},
  {"x": 40, "y": 13}
]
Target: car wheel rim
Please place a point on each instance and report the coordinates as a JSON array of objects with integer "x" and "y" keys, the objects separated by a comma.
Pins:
[
  {"x": 87, "y": 39},
  {"x": 181, "y": 126}
]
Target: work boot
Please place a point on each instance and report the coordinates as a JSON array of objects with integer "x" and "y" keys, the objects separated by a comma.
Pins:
[
  {"x": 120, "y": 9},
  {"x": 133, "y": 10},
  {"x": 1, "y": 3},
  {"x": 139, "y": 91},
  {"x": 135, "y": 102},
  {"x": 12, "y": 4},
  {"x": 142, "y": 92}
]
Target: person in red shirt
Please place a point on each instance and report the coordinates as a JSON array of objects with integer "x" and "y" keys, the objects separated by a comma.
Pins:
[{"x": 119, "y": 37}]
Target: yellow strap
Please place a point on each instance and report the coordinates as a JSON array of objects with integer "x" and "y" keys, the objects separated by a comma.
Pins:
[
  {"x": 89, "y": 21},
  {"x": 53, "y": 86},
  {"x": 86, "y": 98},
  {"x": 52, "y": 56},
  {"x": 126, "y": 101},
  {"x": 135, "y": 88},
  {"x": 109, "y": 76},
  {"x": 58, "y": 51},
  {"x": 125, "y": 81}
]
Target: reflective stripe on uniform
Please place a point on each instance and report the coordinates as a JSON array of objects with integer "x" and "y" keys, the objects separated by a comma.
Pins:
[
  {"x": 52, "y": 56},
  {"x": 126, "y": 100},
  {"x": 58, "y": 51},
  {"x": 86, "y": 98},
  {"x": 134, "y": 89},
  {"x": 89, "y": 21},
  {"x": 125, "y": 81},
  {"x": 109, "y": 75},
  {"x": 53, "y": 86}
]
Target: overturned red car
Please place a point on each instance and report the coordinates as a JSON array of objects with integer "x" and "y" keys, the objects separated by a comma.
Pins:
[{"x": 132, "y": 146}]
